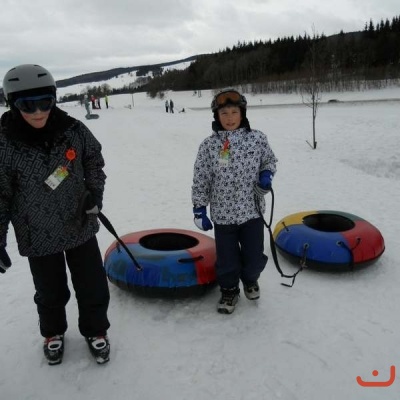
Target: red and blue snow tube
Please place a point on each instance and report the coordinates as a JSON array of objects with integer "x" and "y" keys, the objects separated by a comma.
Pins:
[
  {"x": 328, "y": 240},
  {"x": 174, "y": 262}
]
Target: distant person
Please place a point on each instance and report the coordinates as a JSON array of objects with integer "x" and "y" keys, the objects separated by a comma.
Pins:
[
  {"x": 93, "y": 100},
  {"x": 51, "y": 191},
  {"x": 166, "y": 105},
  {"x": 98, "y": 103},
  {"x": 171, "y": 106},
  {"x": 106, "y": 100},
  {"x": 232, "y": 173},
  {"x": 87, "y": 104}
]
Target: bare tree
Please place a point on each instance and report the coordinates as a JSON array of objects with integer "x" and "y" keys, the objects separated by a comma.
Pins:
[
  {"x": 310, "y": 90},
  {"x": 106, "y": 88}
]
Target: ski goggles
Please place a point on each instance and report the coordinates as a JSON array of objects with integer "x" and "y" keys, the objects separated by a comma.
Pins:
[
  {"x": 29, "y": 105},
  {"x": 228, "y": 97}
]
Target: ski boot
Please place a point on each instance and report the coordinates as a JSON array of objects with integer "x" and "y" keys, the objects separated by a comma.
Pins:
[
  {"x": 99, "y": 346},
  {"x": 53, "y": 348}
]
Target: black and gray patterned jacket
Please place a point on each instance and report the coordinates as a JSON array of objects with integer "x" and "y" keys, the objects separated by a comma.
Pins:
[
  {"x": 45, "y": 220},
  {"x": 228, "y": 187}
]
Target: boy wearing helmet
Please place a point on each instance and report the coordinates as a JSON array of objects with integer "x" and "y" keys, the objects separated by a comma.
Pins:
[
  {"x": 52, "y": 183},
  {"x": 232, "y": 173}
]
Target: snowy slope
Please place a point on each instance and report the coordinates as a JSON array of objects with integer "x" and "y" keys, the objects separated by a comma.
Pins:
[
  {"x": 116, "y": 82},
  {"x": 309, "y": 342}
]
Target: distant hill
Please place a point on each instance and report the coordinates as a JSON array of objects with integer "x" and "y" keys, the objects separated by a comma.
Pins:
[{"x": 111, "y": 73}]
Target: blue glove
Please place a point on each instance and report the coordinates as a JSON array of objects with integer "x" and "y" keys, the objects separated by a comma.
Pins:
[
  {"x": 5, "y": 261},
  {"x": 200, "y": 218},
  {"x": 264, "y": 184},
  {"x": 265, "y": 179}
]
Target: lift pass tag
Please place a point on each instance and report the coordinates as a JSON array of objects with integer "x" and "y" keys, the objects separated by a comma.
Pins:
[
  {"x": 224, "y": 153},
  {"x": 56, "y": 177},
  {"x": 224, "y": 157}
]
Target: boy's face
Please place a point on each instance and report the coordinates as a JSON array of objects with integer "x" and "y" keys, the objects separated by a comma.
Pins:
[
  {"x": 38, "y": 119},
  {"x": 230, "y": 117}
]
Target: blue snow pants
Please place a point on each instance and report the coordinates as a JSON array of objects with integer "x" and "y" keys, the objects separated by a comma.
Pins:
[{"x": 240, "y": 252}]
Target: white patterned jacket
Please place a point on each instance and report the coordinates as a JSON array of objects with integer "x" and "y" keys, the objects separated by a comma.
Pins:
[{"x": 228, "y": 187}]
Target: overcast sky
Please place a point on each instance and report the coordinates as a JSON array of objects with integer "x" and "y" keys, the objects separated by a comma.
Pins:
[{"x": 73, "y": 37}]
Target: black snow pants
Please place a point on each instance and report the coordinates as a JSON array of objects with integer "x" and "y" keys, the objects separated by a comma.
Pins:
[
  {"x": 240, "y": 252},
  {"x": 90, "y": 284}
]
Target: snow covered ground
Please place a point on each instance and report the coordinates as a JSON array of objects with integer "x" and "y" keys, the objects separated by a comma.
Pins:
[{"x": 309, "y": 342}]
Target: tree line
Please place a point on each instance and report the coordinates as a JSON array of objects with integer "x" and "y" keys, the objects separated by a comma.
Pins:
[{"x": 345, "y": 61}]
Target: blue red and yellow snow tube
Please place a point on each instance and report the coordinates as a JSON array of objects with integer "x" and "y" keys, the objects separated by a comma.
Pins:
[
  {"x": 328, "y": 239},
  {"x": 174, "y": 262}
]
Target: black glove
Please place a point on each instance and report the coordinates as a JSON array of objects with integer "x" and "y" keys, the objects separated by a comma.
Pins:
[
  {"x": 88, "y": 204},
  {"x": 93, "y": 203},
  {"x": 5, "y": 261},
  {"x": 92, "y": 208}
]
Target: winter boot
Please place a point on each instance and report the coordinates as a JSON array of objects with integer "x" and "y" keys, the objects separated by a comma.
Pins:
[
  {"x": 99, "y": 346},
  {"x": 251, "y": 290},
  {"x": 228, "y": 301},
  {"x": 53, "y": 348}
]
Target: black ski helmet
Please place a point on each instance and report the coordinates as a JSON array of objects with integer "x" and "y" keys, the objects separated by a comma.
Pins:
[{"x": 27, "y": 78}]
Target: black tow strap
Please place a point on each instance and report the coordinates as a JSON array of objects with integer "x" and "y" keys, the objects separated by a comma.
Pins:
[
  {"x": 107, "y": 224},
  {"x": 272, "y": 242},
  {"x": 81, "y": 216}
]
